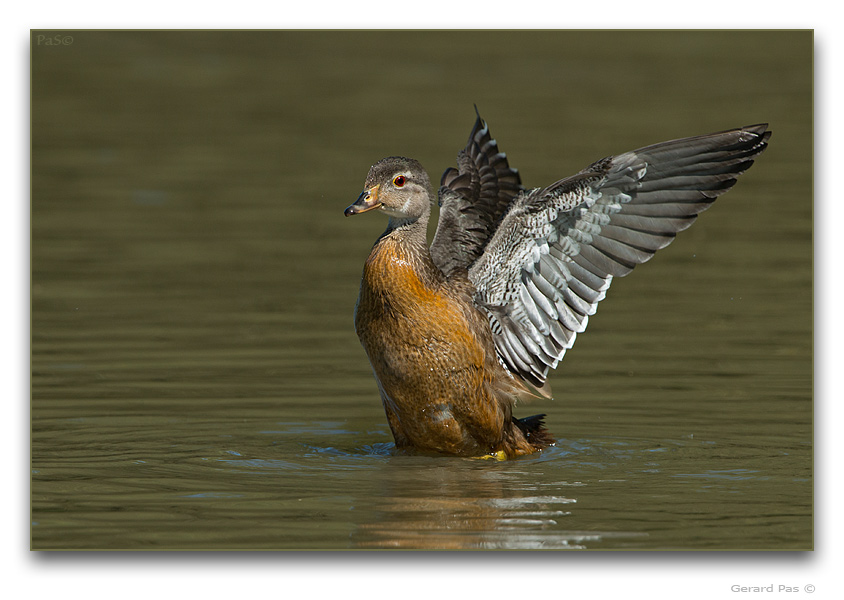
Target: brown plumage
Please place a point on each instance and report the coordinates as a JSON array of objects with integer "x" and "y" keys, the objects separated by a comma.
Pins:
[{"x": 456, "y": 333}]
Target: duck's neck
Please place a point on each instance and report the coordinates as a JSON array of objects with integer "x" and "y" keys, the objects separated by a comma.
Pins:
[
  {"x": 407, "y": 239},
  {"x": 410, "y": 231}
]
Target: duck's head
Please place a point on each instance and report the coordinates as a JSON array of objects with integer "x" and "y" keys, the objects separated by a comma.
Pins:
[{"x": 396, "y": 186}]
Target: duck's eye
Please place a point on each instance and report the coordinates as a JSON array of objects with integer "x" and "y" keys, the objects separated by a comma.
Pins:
[{"x": 398, "y": 180}]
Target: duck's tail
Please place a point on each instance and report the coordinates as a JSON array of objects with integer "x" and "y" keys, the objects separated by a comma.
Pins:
[{"x": 533, "y": 428}]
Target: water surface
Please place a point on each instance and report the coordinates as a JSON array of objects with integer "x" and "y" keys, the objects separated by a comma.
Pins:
[{"x": 196, "y": 379}]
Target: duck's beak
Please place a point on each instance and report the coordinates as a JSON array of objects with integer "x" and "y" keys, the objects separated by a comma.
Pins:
[{"x": 368, "y": 200}]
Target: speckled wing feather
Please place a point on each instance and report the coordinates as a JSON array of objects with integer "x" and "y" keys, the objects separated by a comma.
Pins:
[
  {"x": 472, "y": 200},
  {"x": 556, "y": 251}
]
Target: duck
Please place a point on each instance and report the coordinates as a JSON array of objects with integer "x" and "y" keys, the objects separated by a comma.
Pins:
[{"x": 459, "y": 330}]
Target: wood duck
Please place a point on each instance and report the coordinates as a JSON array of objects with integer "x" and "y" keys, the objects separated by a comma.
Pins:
[{"x": 458, "y": 331}]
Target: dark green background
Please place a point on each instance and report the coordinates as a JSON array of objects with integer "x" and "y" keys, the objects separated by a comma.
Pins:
[{"x": 196, "y": 380}]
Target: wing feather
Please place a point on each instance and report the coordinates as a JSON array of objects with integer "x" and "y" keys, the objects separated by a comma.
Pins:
[
  {"x": 556, "y": 250},
  {"x": 472, "y": 199}
]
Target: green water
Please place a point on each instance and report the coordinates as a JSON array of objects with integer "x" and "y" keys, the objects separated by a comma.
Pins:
[{"x": 196, "y": 379}]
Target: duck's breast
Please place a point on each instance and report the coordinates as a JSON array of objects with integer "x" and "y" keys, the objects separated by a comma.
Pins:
[{"x": 430, "y": 362}]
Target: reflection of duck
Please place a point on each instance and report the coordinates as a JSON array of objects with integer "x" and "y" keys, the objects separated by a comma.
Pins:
[
  {"x": 456, "y": 332},
  {"x": 426, "y": 509}
]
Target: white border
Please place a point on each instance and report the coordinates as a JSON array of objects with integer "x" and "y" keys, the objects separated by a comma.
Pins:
[{"x": 246, "y": 575}]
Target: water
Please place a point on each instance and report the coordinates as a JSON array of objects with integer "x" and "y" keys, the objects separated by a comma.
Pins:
[{"x": 196, "y": 379}]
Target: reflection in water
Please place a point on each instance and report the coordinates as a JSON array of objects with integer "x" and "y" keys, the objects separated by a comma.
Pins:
[
  {"x": 482, "y": 525},
  {"x": 468, "y": 508},
  {"x": 397, "y": 500},
  {"x": 461, "y": 509},
  {"x": 460, "y": 524}
]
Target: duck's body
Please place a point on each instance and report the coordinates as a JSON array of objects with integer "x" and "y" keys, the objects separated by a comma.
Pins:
[
  {"x": 455, "y": 333},
  {"x": 433, "y": 355}
]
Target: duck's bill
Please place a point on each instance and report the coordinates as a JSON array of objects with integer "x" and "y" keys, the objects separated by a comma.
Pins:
[{"x": 368, "y": 200}]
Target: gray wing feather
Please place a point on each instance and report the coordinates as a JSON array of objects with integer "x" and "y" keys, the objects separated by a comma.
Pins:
[
  {"x": 472, "y": 200},
  {"x": 557, "y": 249}
]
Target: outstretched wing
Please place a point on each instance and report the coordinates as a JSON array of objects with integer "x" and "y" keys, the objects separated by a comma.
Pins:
[
  {"x": 472, "y": 200},
  {"x": 556, "y": 251}
]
